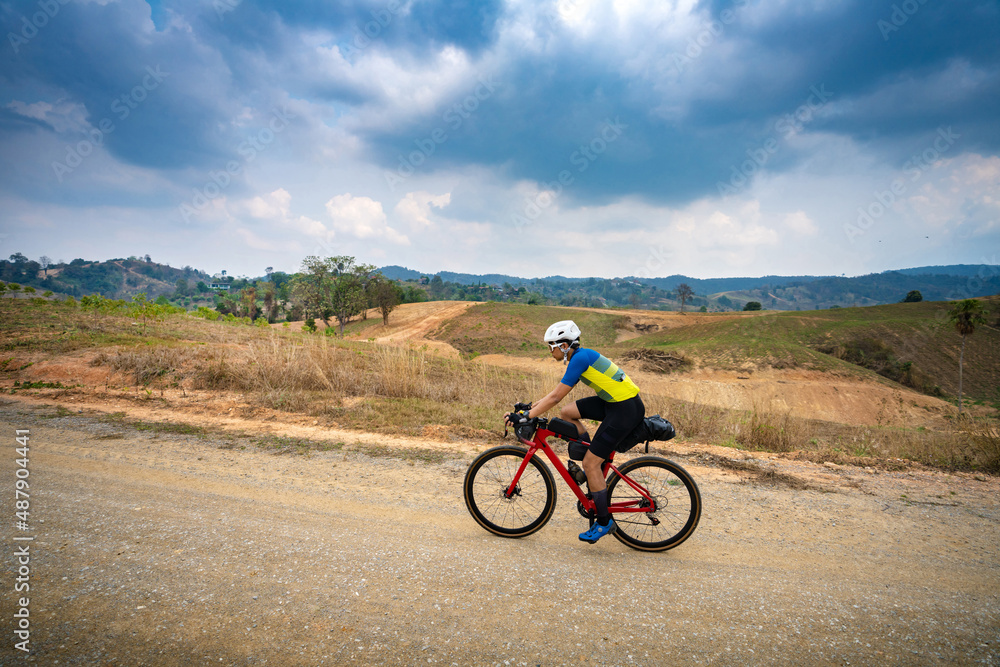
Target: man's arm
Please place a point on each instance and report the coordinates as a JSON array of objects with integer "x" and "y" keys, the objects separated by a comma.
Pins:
[{"x": 550, "y": 401}]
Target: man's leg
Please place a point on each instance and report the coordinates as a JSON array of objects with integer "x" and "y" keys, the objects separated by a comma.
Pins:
[
  {"x": 571, "y": 413},
  {"x": 585, "y": 408},
  {"x": 595, "y": 478},
  {"x": 599, "y": 492},
  {"x": 618, "y": 420}
]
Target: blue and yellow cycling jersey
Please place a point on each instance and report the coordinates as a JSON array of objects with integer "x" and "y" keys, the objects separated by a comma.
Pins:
[{"x": 601, "y": 375}]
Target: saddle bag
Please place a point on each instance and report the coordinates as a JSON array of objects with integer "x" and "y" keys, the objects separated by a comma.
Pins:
[{"x": 650, "y": 428}]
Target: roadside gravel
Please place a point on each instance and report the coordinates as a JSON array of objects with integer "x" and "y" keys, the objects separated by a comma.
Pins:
[{"x": 160, "y": 549}]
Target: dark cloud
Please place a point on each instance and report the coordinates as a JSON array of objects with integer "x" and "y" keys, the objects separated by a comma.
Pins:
[
  {"x": 226, "y": 64},
  {"x": 884, "y": 87},
  {"x": 468, "y": 24},
  {"x": 163, "y": 94}
]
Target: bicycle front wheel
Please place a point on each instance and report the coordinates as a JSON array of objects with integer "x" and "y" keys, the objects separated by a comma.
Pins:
[
  {"x": 485, "y": 489},
  {"x": 676, "y": 504}
]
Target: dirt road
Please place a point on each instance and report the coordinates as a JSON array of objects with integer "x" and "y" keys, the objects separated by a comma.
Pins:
[{"x": 160, "y": 549}]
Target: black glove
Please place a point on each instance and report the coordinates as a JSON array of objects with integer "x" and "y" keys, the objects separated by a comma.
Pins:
[{"x": 515, "y": 419}]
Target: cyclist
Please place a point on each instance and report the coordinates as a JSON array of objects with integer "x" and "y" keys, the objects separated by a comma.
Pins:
[{"x": 617, "y": 406}]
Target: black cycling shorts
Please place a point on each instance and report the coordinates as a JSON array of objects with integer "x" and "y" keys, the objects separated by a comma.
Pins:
[{"x": 617, "y": 421}]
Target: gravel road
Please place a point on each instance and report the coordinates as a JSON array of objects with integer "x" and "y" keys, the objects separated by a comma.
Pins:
[{"x": 160, "y": 549}]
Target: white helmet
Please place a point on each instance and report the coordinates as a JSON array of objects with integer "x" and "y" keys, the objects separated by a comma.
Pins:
[{"x": 565, "y": 330}]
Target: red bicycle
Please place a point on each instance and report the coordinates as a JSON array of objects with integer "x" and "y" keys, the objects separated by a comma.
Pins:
[{"x": 511, "y": 492}]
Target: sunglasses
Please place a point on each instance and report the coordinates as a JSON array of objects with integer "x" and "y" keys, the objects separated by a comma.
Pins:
[{"x": 553, "y": 346}]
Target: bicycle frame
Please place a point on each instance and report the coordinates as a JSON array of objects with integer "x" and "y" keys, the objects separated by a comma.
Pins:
[{"x": 539, "y": 443}]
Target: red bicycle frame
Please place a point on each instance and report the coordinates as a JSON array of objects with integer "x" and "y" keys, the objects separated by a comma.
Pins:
[{"x": 539, "y": 443}]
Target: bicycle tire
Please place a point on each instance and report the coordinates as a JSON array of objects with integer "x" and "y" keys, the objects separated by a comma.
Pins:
[
  {"x": 677, "y": 498},
  {"x": 488, "y": 478}
]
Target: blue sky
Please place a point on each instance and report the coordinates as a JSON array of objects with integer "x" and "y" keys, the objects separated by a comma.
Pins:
[{"x": 713, "y": 139}]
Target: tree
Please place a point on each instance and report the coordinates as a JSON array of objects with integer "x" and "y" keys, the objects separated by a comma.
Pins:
[
  {"x": 966, "y": 315},
  {"x": 45, "y": 263},
  {"x": 752, "y": 305},
  {"x": 182, "y": 287},
  {"x": 387, "y": 296},
  {"x": 349, "y": 298},
  {"x": 313, "y": 287},
  {"x": 333, "y": 287},
  {"x": 913, "y": 296},
  {"x": 437, "y": 287},
  {"x": 94, "y": 302},
  {"x": 144, "y": 309},
  {"x": 270, "y": 302},
  {"x": 248, "y": 302},
  {"x": 684, "y": 292}
]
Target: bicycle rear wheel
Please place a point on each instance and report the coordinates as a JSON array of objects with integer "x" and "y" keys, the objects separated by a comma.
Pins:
[
  {"x": 676, "y": 501},
  {"x": 487, "y": 481}
]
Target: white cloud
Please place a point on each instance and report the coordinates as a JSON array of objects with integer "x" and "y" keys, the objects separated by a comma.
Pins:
[
  {"x": 276, "y": 207},
  {"x": 415, "y": 208},
  {"x": 61, "y": 115},
  {"x": 800, "y": 223},
  {"x": 362, "y": 217}
]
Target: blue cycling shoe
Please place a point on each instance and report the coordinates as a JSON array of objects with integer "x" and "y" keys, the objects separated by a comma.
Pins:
[{"x": 597, "y": 531}]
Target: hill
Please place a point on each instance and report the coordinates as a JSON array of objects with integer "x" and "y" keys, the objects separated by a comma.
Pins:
[
  {"x": 122, "y": 278},
  {"x": 910, "y": 344},
  {"x": 935, "y": 283},
  {"x": 114, "y": 278}
]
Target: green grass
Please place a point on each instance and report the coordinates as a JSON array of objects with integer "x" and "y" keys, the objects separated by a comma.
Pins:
[
  {"x": 915, "y": 332},
  {"x": 178, "y": 428},
  {"x": 20, "y": 386},
  {"x": 517, "y": 329}
]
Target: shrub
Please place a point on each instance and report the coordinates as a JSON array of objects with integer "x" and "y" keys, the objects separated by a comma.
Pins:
[
  {"x": 752, "y": 305},
  {"x": 984, "y": 443},
  {"x": 309, "y": 326}
]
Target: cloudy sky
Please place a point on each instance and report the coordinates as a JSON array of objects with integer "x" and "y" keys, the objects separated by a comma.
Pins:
[{"x": 576, "y": 137}]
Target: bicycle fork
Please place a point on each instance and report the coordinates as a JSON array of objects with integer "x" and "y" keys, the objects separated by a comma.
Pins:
[{"x": 512, "y": 489}]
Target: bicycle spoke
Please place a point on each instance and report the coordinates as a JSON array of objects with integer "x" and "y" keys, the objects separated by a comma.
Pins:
[
  {"x": 678, "y": 504},
  {"x": 530, "y": 502}
]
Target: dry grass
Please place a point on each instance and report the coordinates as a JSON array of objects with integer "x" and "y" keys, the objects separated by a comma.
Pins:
[
  {"x": 145, "y": 365},
  {"x": 983, "y": 442},
  {"x": 401, "y": 389},
  {"x": 888, "y": 443},
  {"x": 398, "y": 390}
]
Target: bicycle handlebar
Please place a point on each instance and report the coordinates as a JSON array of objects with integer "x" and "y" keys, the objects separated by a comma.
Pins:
[{"x": 529, "y": 425}]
